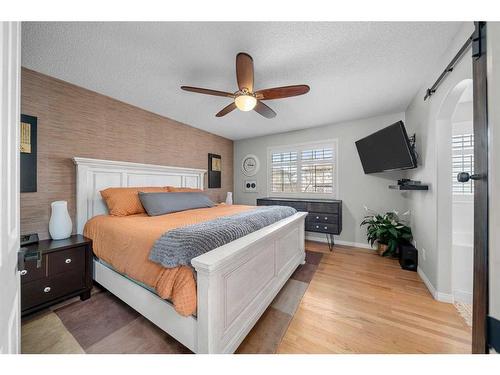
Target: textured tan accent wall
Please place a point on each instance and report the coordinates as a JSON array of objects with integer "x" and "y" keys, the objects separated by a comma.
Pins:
[{"x": 73, "y": 121}]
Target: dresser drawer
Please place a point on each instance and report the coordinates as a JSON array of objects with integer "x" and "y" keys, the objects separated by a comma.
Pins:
[
  {"x": 329, "y": 208},
  {"x": 265, "y": 202},
  {"x": 322, "y": 228},
  {"x": 299, "y": 206},
  {"x": 316, "y": 217},
  {"x": 31, "y": 272},
  {"x": 66, "y": 260},
  {"x": 45, "y": 290}
]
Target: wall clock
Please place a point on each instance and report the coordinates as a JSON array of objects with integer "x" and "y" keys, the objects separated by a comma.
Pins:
[{"x": 250, "y": 165}]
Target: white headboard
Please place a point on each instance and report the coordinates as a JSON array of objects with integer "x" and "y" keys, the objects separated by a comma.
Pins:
[{"x": 94, "y": 175}]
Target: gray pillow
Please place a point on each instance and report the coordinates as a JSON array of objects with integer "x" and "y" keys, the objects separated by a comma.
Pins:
[{"x": 164, "y": 203}]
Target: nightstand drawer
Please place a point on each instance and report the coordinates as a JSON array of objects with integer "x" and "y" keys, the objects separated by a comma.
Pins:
[
  {"x": 31, "y": 272},
  {"x": 315, "y": 217},
  {"x": 45, "y": 290},
  {"x": 323, "y": 228},
  {"x": 66, "y": 260}
]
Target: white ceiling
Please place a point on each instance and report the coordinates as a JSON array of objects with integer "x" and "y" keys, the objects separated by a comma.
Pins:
[{"x": 355, "y": 69}]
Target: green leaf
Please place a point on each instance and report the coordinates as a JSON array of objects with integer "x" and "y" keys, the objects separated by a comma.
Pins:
[{"x": 394, "y": 232}]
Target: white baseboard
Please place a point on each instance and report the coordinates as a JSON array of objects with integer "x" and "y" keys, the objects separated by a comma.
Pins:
[
  {"x": 438, "y": 296},
  {"x": 444, "y": 297},
  {"x": 323, "y": 239},
  {"x": 462, "y": 296}
]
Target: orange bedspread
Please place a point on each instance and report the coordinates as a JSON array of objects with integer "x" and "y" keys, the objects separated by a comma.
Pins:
[{"x": 125, "y": 243}]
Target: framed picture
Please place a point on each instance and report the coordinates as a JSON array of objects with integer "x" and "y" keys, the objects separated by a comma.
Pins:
[
  {"x": 214, "y": 171},
  {"x": 28, "y": 149}
]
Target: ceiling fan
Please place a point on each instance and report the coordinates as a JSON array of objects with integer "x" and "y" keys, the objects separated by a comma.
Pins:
[{"x": 246, "y": 99}]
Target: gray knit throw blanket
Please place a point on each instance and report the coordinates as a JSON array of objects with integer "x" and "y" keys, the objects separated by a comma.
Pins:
[{"x": 178, "y": 246}]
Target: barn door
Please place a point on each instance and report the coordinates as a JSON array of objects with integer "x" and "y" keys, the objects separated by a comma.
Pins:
[{"x": 480, "y": 177}]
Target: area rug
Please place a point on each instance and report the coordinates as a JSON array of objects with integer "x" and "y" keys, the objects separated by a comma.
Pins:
[{"x": 104, "y": 324}]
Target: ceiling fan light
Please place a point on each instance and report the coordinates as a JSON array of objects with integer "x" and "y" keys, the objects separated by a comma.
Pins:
[{"x": 245, "y": 102}]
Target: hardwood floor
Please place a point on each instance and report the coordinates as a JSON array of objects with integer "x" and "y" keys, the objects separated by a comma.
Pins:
[{"x": 359, "y": 302}]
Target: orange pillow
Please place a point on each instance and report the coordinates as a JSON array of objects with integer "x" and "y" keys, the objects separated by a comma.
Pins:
[
  {"x": 173, "y": 189},
  {"x": 123, "y": 201}
]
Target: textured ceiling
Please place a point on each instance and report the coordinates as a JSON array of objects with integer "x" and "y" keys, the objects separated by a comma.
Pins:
[{"x": 355, "y": 69}]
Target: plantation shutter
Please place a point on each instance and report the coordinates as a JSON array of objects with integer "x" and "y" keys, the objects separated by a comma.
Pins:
[{"x": 463, "y": 161}]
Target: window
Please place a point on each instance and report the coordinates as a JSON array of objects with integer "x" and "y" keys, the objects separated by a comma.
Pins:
[
  {"x": 307, "y": 169},
  {"x": 284, "y": 172},
  {"x": 463, "y": 161}
]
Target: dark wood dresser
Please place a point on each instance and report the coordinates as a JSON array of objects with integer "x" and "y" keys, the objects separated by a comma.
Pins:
[
  {"x": 325, "y": 215},
  {"x": 54, "y": 270}
]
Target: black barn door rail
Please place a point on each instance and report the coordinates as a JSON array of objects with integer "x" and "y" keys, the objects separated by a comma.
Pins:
[{"x": 449, "y": 68}]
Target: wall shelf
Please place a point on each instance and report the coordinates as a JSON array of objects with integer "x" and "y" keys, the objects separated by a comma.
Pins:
[{"x": 409, "y": 187}]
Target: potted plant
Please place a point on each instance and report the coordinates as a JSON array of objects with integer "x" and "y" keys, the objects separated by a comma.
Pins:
[{"x": 388, "y": 230}]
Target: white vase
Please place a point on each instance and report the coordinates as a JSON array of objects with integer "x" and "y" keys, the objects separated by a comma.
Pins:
[
  {"x": 60, "y": 225},
  {"x": 229, "y": 198}
]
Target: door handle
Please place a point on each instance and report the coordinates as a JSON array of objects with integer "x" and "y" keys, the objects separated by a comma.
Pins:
[
  {"x": 20, "y": 259},
  {"x": 464, "y": 177}
]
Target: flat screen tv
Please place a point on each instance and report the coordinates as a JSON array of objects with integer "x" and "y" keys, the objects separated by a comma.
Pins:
[{"x": 387, "y": 150}]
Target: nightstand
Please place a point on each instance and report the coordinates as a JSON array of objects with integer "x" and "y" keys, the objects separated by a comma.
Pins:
[{"x": 55, "y": 270}]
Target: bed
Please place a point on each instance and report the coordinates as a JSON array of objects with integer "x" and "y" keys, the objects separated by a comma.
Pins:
[{"x": 235, "y": 283}]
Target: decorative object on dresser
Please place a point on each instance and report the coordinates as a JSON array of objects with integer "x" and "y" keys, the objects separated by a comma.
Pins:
[
  {"x": 60, "y": 225},
  {"x": 388, "y": 230},
  {"x": 325, "y": 215},
  {"x": 214, "y": 171},
  {"x": 28, "y": 149},
  {"x": 229, "y": 198},
  {"x": 54, "y": 270}
]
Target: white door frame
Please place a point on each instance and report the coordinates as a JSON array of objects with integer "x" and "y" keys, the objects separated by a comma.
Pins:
[{"x": 10, "y": 63}]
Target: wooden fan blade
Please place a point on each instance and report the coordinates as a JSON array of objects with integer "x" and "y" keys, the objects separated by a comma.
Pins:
[
  {"x": 200, "y": 90},
  {"x": 224, "y": 111},
  {"x": 244, "y": 71},
  {"x": 264, "y": 110},
  {"x": 282, "y": 92}
]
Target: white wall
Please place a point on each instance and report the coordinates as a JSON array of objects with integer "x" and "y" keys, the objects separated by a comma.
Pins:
[
  {"x": 355, "y": 188},
  {"x": 493, "y": 51},
  {"x": 431, "y": 216}
]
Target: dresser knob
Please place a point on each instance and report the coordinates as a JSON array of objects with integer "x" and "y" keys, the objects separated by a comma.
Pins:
[
  {"x": 68, "y": 261},
  {"x": 23, "y": 272},
  {"x": 326, "y": 228},
  {"x": 46, "y": 289},
  {"x": 326, "y": 218},
  {"x": 317, "y": 217},
  {"x": 317, "y": 226}
]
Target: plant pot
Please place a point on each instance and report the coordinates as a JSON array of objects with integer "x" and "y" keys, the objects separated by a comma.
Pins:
[{"x": 382, "y": 248}]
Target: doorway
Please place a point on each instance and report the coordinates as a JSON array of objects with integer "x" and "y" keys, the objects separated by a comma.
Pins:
[
  {"x": 462, "y": 233},
  {"x": 456, "y": 200}
]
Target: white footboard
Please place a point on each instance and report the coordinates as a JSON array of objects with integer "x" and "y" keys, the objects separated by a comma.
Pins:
[{"x": 238, "y": 281}]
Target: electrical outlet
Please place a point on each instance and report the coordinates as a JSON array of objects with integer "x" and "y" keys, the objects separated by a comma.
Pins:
[
  {"x": 423, "y": 254},
  {"x": 415, "y": 243}
]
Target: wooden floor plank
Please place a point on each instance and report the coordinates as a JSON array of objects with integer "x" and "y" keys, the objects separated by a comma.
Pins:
[{"x": 359, "y": 302}]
